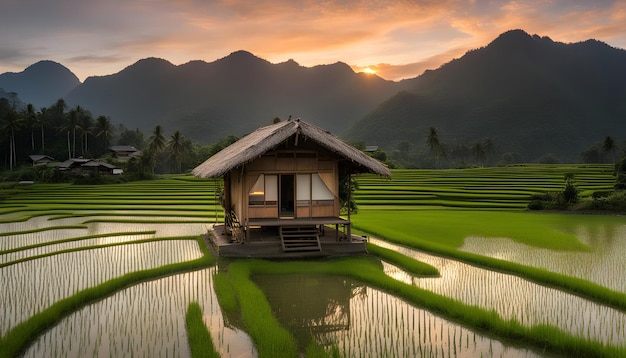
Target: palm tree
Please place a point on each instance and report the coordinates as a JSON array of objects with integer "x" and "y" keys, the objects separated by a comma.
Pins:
[
  {"x": 156, "y": 144},
  {"x": 40, "y": 120},
  {"x": 11, "y": 123},
  {"x": 432, "y": 140},
  {"x": 30, "y": 121},
  {"x": 488, "y": 148},
  {"x": 178, "y": 147},
  {"x": 85, "y": 125},
  {"x": 57, "y": 113},
  {"x": 104, "y": 128},
  {"x": 609, "y": 146},
  {"x": 479, "y": 152},
  {"x": 70, "y": 126}
]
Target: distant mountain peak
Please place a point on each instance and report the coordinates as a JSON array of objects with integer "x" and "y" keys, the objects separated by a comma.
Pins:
[
  {"x": 45, "y": 64},
  {"x": 512, "y": 38},
  {"x": 242, "y": 57},
  {"x": 41, "y": 83}
]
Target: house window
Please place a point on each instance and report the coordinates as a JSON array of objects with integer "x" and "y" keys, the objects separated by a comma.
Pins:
[
  {"x": 320, "y": 193},
  {"x": 303, "y": 189},
  {"x": 311, "y": 190},
  {"x": 264, "y": 192}
]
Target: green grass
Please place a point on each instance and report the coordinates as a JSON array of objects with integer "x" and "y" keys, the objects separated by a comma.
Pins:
[
  {"x": 442, "y": 231},
  {"x": 431, "y": 210},
  {"x": 200, "y": 341},
  {"x": 542, "y": 338},
  {"x": 450, "y": 227},
  {"x": 225, "y": 294},
  {"x": 270, "y": 338}
]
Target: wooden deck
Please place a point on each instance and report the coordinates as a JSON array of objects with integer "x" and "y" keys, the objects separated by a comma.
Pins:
[{"x": 263, "y": 241}]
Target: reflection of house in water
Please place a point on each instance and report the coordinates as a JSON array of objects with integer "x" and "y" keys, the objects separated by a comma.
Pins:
[{"x": 308, "y": 305}]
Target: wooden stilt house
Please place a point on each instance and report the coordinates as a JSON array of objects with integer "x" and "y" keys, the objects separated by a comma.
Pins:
[{"x": 286, "y": 175}]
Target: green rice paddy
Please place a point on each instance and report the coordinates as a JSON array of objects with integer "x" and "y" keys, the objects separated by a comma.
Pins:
[{"x": 129, "y": 257}]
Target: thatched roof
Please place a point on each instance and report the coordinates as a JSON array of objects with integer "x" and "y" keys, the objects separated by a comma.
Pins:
[{"x": 267, "y": 138}]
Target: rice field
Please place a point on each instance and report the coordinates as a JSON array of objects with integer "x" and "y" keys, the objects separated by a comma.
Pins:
[
  {"x": 476, "y": 188},
  {"x": 513, "y": 297},
  {"x": 58, "y": 241}
]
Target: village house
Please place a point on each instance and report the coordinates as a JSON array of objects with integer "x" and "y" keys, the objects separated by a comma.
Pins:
[
  {"x": 41, "y": 159},
  {"x": 124, "y": 152},
  {"x": 86, "y": 166},
  {"x": 284, "y": 178}
]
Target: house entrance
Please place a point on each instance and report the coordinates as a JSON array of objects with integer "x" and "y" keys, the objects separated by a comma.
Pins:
[{"x": 286, "y": 200}]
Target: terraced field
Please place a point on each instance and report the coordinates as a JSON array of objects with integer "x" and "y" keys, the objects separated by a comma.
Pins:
[
  {"x": 111, "y": 270},
  {"x": 478, "y": 188}
]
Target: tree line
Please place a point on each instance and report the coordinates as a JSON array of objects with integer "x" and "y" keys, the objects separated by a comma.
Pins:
[
  {"x": 62, "y": 133},
  {"x": 440, "y": 155}
]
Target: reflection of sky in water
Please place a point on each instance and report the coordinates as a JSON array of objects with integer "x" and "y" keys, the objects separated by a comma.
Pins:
[
  {"x": 32, "y": 286},
  {"x": 514, "y": 297},
  {"x": 382, "y": 325},
  {"x": 605, "y": 265},
  {"x": 145, "y": 320}
]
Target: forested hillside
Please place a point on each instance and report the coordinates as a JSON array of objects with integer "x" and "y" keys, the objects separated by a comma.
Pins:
[{"x": 528, "y": 95}]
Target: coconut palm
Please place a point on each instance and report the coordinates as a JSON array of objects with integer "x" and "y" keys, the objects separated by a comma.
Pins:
[
  {"x": 432, "y": 141},
  {"x": 156, "y": 144},
  {"x": 57, "y": 113},
  {"x": 157, "y": 141},
  {"x": 488, "y": 148},
  {"x": 104, "y": 128},
  {"x": 40, "y": 120},
  {"x": 609, "y": 146},
  {"x": 178, "y": 147},
  {"x": 10, "y": 124},
  {"x": 479, "y": 152},
  {"x": 30, "y": 121},
  {"x": 71, "y": 125},
  {"x": 85, "y": 126}
]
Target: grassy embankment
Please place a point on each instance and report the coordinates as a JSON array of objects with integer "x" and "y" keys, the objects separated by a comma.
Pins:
[
  {"x": 237, "y": 291},
  {"x": 435, "y": 210},
  {"x": 448, "y": 197},
  {"x": 200, "y": 341}
]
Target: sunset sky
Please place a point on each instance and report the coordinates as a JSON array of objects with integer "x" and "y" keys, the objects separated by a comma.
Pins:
[{"x": 397, "y": 39}]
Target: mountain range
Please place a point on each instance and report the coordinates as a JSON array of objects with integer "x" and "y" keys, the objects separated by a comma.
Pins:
[{"x": 527, "y": 94}]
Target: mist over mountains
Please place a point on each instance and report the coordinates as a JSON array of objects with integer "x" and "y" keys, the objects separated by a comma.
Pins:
[{"x": 527, "y": 94}]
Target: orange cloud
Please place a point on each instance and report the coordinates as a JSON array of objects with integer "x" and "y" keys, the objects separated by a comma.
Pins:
[{"x": 406, "y": 36}]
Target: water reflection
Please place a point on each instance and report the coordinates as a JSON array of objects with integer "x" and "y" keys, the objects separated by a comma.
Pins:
[
  {"x": 515, "y": 298},
  {"x": 605, "y": 265},
  {"x": 146, "y": 320},
  {"x": 365, "y": 322},
  {"x": 309, "y": 304},
  {"x": 31, "y": 286}
]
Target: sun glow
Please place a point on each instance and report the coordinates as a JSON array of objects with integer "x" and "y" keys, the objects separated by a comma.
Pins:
[{"x": 369, "y": 71}]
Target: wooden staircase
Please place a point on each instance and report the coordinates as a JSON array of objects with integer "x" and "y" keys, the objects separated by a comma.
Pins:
[{"x": 300, "y": 238}]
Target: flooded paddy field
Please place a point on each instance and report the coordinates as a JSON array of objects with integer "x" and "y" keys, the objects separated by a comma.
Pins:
[
  {"x": 514, "y": 297},
  {"x": 604, "y": 263},
  {"x": 64, "y": 249}
]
